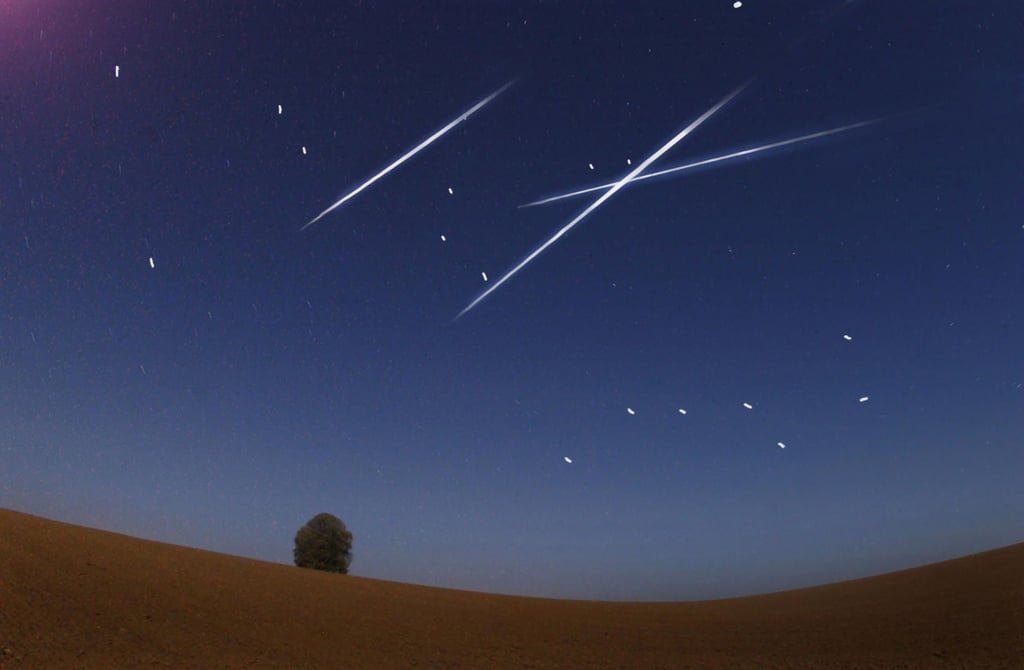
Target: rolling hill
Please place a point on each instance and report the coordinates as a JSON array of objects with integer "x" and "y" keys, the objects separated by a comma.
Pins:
[{"x": 74, "y": 597}]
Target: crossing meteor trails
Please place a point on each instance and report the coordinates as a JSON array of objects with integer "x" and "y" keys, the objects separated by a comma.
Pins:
[
  {"x": 605, "y": 196},
  {"x": 709, "y": 161},
  {"x": 412, "y": 152}
]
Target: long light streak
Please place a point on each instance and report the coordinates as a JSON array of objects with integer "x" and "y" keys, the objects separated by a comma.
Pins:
[
  {"x": 412, "y": 152},
  {"x": 605, "y": 196},
  {"x": 708, "y": 161}
]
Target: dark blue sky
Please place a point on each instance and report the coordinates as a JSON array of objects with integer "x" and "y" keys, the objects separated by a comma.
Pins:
[{"x": 256, "y": 375}]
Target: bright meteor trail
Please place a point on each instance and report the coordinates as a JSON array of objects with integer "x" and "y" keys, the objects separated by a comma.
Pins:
[
  {"x": 412, "y": 152},
  {"x": 607, "y": 194},
  {"x": 708, "y": 161}
]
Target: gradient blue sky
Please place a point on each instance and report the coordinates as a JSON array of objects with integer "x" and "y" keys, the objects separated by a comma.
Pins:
[{"x": 257, "y": 375}]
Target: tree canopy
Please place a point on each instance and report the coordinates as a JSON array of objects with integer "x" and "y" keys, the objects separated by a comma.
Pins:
[{"x": 324, "y": 543}]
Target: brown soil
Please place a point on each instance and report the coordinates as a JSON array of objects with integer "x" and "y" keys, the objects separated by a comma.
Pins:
[{"x": 73, "y": 597}]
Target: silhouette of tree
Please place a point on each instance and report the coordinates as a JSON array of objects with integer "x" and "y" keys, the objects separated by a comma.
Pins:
[{"x": 324, "y": 543}]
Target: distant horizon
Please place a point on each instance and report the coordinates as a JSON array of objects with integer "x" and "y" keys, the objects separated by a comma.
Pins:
[{"x": 355, "y": 573}]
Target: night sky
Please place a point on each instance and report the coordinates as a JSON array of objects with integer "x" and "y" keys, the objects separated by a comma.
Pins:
[{"x": 180, "y": 360}]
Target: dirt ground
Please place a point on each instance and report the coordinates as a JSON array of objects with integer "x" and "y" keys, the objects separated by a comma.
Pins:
[{"x": 73, "y": 597}]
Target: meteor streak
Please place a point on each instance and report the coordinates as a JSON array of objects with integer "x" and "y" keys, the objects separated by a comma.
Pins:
[
  {"x": 709, "y": 161},
  {"x": 412, "y": 152},
  {"x": 607, "y": 194}
]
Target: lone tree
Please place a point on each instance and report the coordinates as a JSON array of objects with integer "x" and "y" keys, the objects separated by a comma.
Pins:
[{"x": 324, "y": 544}]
